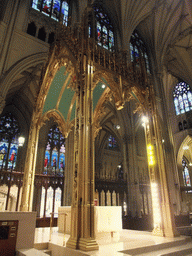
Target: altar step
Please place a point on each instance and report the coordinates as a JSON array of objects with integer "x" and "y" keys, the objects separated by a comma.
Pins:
[
  {"x": 129, "y": 242},
  {"x": 176, "y": 248},
  {"x": 55, "y": 250},
  {"x": 32, "y": 252}
]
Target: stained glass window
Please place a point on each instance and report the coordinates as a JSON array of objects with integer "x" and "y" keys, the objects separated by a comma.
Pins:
[
  {"x": 182, "y": 98},
  {"x": 112, "y": 143},
  {"x": 89, "y": 32},
  {"x": 105, "y": 34},
  {"x": 138, "y": 49},
  {"x": 54, "y": 162},
  {"x": 56, "y": 9},
  {"x": 186, "y": 176},
  {"x": 9, "y": 130}
]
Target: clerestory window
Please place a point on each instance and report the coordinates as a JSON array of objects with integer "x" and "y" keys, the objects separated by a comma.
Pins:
[
  {"x": 104, "y": 29},
  {"x": 182, "y": 97},
  {"x": 138, "y": 50},
  {"x": 56, "y": 9}
]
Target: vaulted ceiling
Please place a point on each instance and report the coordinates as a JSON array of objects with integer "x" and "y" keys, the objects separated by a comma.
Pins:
[{"x": 164, "y": 25}]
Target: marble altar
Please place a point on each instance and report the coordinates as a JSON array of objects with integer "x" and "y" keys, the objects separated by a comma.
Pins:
[{"x": 108, "y": 219}]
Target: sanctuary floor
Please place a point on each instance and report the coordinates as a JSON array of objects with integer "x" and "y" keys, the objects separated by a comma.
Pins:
[{"x": 128, "y": 242}]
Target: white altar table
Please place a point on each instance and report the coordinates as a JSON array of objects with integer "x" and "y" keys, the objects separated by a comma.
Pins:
[{"x": 108, "y": 219}]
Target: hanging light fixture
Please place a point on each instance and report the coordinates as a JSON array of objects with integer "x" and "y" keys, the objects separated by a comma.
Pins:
[
  {"x": 103, "y": 86},
  {"x": 21, "y": 141},
  {"x": 144, "y": 121}
]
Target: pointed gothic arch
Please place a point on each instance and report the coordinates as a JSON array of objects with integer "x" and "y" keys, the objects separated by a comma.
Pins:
[
  {"x": 19, "y": 67},
  {"x": 64, "y": 126}
]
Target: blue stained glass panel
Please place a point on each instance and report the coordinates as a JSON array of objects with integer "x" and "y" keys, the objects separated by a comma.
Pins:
[
  {"x": 104, "y": 30},
  {"x": 177, "y": 106},
  {"x": 105, "y": 36},
  {"x": 110, "y": 33},
  {"x": 62, "y": 161},
  {"x": 186, "y": 175},
  {"x": 47, "y": 158},
  {"x": 36, "y": 4},
  {"x": 89, "y": 32},
  {"x": 189, "y": 97},
  {"x": 3, "y": 153},
  {"x": 181, "y": 104},
  {"x": 101, "y": 15},
  {"x": 186, "y": 104},
  {"x": 64, "y": 12},
  {"x": 112, "y": 143},
  {"x": 53, "y": 8},
  {"x": 46, "y": 7},
  {"x": 12, "y": 156},
  {"x": 98, "y": 32},
  {"x": 9, "y": 143},
  {"x": 138, "y": 49},
  {"x": 54, "y": 159},
  {"x": 55, "y": 152},
  {"x": 183, "y": 95}
]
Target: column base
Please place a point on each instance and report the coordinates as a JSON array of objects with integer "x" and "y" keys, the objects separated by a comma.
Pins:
[
  {"x": 88, "y": 244},
  {"x": 72, "y": 243},
  {"x": 84, "y": 244},
  {"x": 157, "y": 232}
]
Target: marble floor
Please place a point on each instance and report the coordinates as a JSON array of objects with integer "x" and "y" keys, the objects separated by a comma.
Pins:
[{"x": 127, "y": 242}]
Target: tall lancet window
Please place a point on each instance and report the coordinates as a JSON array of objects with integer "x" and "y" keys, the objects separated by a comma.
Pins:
[
  {"x": 54, "y": 162},
  {"x": 138, "y": 49},
  {"x": 56, "y": 9},
  {"x": 9, "y": 130},
  {"x": 186, "y": 176},
  {"x": 104, "y": 29},
  {"x": 182, "y": 96}
]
